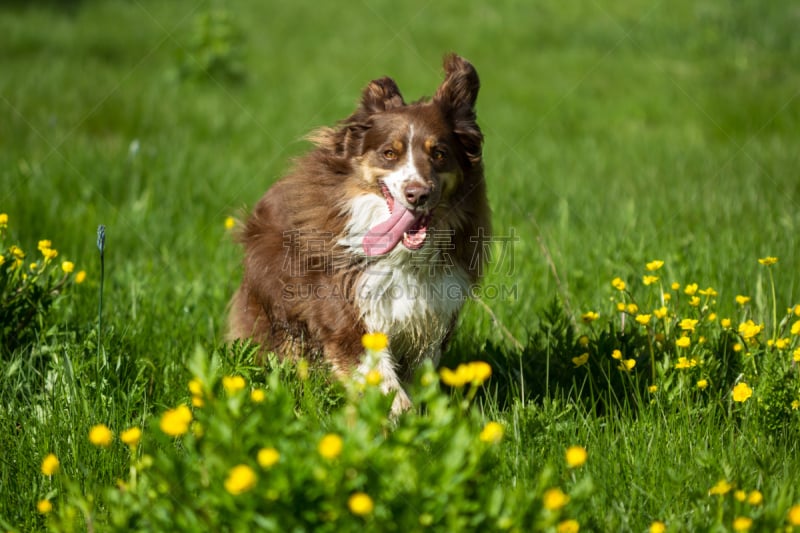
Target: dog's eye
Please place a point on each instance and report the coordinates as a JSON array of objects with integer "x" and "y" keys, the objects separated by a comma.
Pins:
[
  {"x": 390, "y": 154},
  {"x": 439, "y": 155}
]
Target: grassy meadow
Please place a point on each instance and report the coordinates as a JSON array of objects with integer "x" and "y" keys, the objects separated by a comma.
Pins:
[{"x": 618, "y": 135}]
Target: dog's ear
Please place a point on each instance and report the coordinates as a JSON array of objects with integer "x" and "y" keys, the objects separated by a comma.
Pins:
[
  {"x": 456, "y": 96},
  {"x": 381, "y": 95}
]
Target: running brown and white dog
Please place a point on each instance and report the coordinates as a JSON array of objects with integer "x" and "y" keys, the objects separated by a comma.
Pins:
[{"x": 382, "y": 227}]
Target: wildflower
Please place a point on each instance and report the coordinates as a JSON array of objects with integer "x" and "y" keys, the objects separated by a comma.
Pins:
[
  {"x": 768, "y": 261},
  {"x": 373, "y": 377},
  {"x": 684, "y": 363},
  {"x": 481, "y": 371},
  {"x": 749, "y": 330},
  {"x": 230, "y": 222},
  {"x": 708, "y": 292},
  {"x": 621, "y": 307},
  {"x": 691, "y": 289},
  {"x": 795, "y": 405},
  {"x": 618, "y": 284},
  {"x": 49, "y": 254},
  {"x": 16, "y": 251},
  {"x": 632, "y": 309},
  {"x": 576, "y": 456},
  {"x": 589, "y": 317},
  {"x": 268, "y": 457},
  {"x": 654, "y": 265},
  {"x": 666, "y": 296},
  {"x": 652, "y": 389},
  {"x": 782, "y": 344},
  {"x": 33, "y": 267},
  {"x": 661, "y": 312},
  {"x": 712, "y": 317},
  {"x": 616, "y": 354},
  {"x": 741, "y": 392},
  {"x": 702, "y": 384},
  {"x": 694, "y": 301},
  {"x": 196, "y": 387},
  {"x": 491, "y": 433},
  {"x": 50, "y": 464},
  {"x": 583, "y": 340},
  {"x": 257, "y": 395},
  {"x": 241, "y": 478},
  {"x": 233, "y": 384},
  {"x": 101, "y": 436},
  {"x": 643, "y": 319},
  {"x": 330, "y": 446},
  {"x": 67, "y": 267},
  {"x": 649, "y": 280},
  {"x": 795, "y": 328},
  {"x": 302, "y": 370},
  {"x": 627, "y": 365},
  {"x": 721, "y": 488},
  {"x": 755, "y": 498},
  {"x": 131, "y": 436},
  {"x": 80, "y": 277},
  {"x": 683, "y": 342},
  {"x": 197, "y": 401},
  {"x": 675, "y": 286},
  {"x": 725, "y": 323},
  {"x": 793, "y": 516},
  {"x": 740, "y": 495},
  {"x": 475, "y": 372},
  {"x": 360, "y": 504},
  {"x": 375, "y": 342},
  {"x": 554, "y": 499},
  {"x": 175, "y": 422},
  {"x": 3, "y": 220},
  {"x": 568, "y": 526},
  {"x": 742, "y": 300},
  {"x": 742, "y": 523},
  {"x": 657, "y": 527},
  {"x": 44, "y": 506},
  {"x": 580, "y": 360},
  {"x": 688, "y": 324},
  {"x": 737, "y": 347},
  {"x": 797, "y": 310}
]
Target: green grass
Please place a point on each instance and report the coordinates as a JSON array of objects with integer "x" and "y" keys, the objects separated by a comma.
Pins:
[{"x": 616, "y": 133}]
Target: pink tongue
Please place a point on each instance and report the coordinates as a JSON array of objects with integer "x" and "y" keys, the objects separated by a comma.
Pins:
[{"x": 384, "y": 237}]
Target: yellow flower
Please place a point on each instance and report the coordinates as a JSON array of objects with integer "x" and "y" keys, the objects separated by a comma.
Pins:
[
  {"x": 643, "y": 319},
  {"x": 491, "y": 433},
  {"x": 196, "y": 387},
  {"x": 627, "y": 365},
  {"x": 44, "y": 244},
  {"x": 721, "y": 488},
  {"x": 268, "y": 457},
  {"x": 675, "y": 286},
  {"x": 632, "y": 309},
  {"x": 683, "y": 342},
  {"x": 742, "y": 300},
  {"x": 618, "y": 284},
  {"x": 795, "y": 405},
  {"x": 616, "y": 354},
  {"x": 702, "y": 384},
  {"x": 481, "y": 371},
  {"x": 654, "y": 265},
  {"x": 793, "y": 516},
  {"x": 796, "y": 328},
  {"x": 44, "y": 506},
  {"x": 198, "y": 401},
  {"x": 16, "y": 251},
  {"x": 373, "y": 378},
  {"x": 580, "y": 360},
  {"x": 583, "y": 340},
  {"x": 621, "y": 307},
  {"x": 554, "y": 499},
  {"x": 375, "y": 342},
  {"x": 50, "y": 464},
  {"x": 80, "y": 277},
  {"x": 649, "y": 280},
  {"x": 741, "y": 392},
  {"x": 750, "y": 329},
  {"x": 330, "y": 446},
  {"x": 708, "y": 292},
  {"x": 782, "y": 344},
  {"x": 257, "y": 395},
  {"x": 712, "y": 317},
  {"x": 725, "y": 323},
  {"x": 694, "y": 301},
  {"x": 568, "y": 526},
  {"x": 740, "y": 495},
  {"x": 742, "y": 523},
  {"x": 131, "y": 436},
  {"x": 101, "y": 436},
  {"x": 576, "y": 456},
  {"x": 661, "y": 312},
  {"x": 652, "y": 389},
  {"x": 3, "y": 220},
  {"x": 691, "y": 289},
  {"x": 230, "y": 222},
  {"x": 737, "y": 347},
  {"x": 49, "y": 254},
  {"x": 67, "y": 267},
  {"x": 33, "y": 266},
  {"x": 657, "y": 527},
  {"x": 666, "y": 296},
  {"x": 755, "y": 498},
  {"x": 241, "y": 478},
  {"x": 688, "y": 324},
  {"x": 768, "y": 261},
  {"x": 175, "y": 422},
  {"x": 233, "y": 384},
  {"x": 589, "y": 317},
  {"x": 683, "y": 363},
  {"x": 360, "y": 504}
]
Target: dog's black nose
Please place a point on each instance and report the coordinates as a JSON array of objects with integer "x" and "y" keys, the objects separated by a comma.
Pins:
[{"x": 417, "y": 194}]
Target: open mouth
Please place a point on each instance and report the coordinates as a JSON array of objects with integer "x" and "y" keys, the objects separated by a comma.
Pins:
[{"x": 403, "y": 225}]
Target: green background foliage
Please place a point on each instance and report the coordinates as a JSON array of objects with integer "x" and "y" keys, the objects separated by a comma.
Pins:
[{"x": 616, "y": 133}]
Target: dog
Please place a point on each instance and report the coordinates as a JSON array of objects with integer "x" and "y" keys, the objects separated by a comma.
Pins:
[{"x": 383, "y": 227}]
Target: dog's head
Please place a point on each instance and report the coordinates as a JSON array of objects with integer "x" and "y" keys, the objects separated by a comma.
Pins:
[{"x": 417, "y": 158}]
